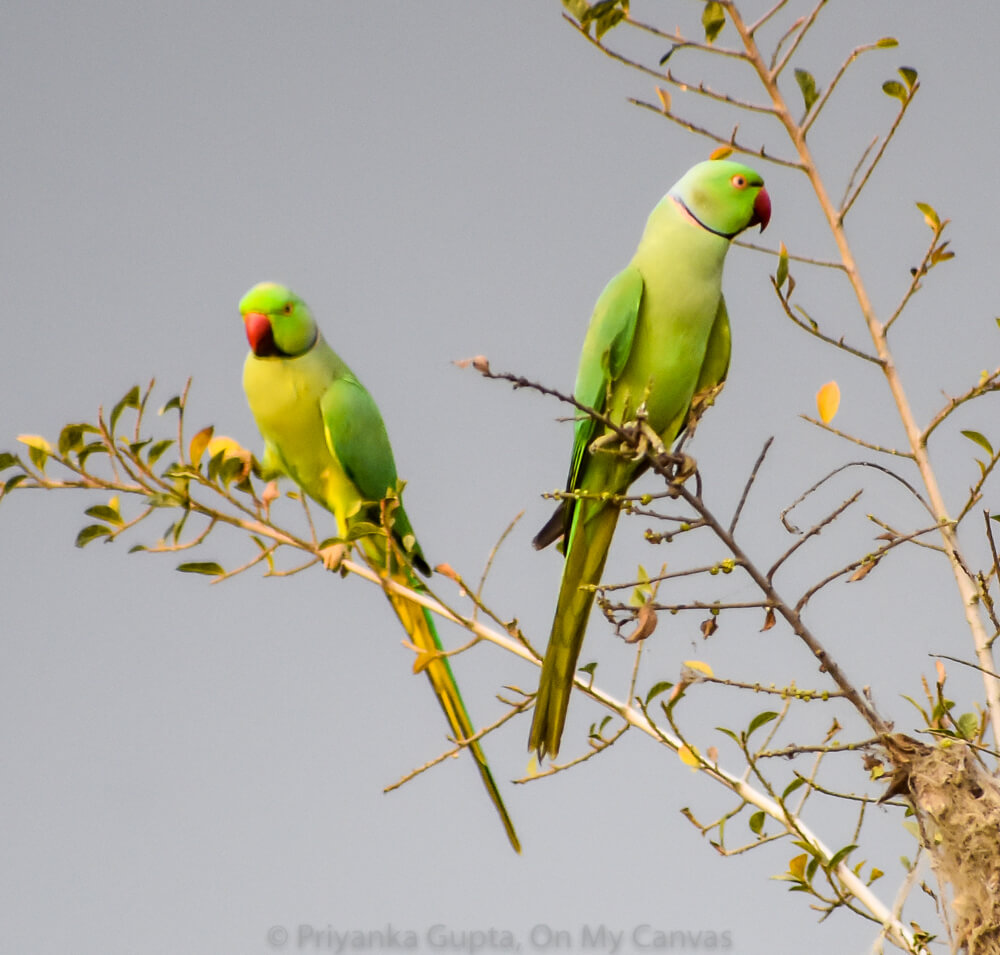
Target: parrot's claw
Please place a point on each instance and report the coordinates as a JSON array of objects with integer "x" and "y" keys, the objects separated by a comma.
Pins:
[
  {"x": 333, "y": 556},
  {"x": 684, "y": 467}
]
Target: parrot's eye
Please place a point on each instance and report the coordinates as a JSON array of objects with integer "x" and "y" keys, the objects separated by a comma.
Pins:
[
  {"x": 739, "y": 181},
  {"x": 288, "y": 308}
]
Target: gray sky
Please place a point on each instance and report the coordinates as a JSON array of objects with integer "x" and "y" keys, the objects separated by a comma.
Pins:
[{"x": 186, "y": 766}]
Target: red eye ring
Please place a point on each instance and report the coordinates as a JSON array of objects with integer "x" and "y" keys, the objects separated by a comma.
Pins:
[{"x": 739, "y": 181}]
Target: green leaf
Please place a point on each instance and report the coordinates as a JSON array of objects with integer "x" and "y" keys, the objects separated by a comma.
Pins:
[
  {"x": 363, "y": 529},
  {"x": 207, "y": 567},
  {"x": 174, "y": 402},
  {"x": 129, "y": 400},
  {"x": 760, "y": 720},
  {"x": 968, "y": 725},
  {"x": 897, "y": 90},
  {"x": 808, "y": 86},
  {"x": 909, "y": 76},
  {"x": 156, "y": 451},
  {"x": 713, "y": 19},
  {"x": 13, "y": 482},
  {"x": 931, "y": 217},
  {"x": 605, "y": 23},
  {"x": 7, "y": 460},
  {"x": 656, "y": 689},
  {"x": 104, "y": 512},
  {"x": 577, "y": 9},
  {"x": 792, "y": 786},
  {"x": 92, "y": 532},
  {"x": 38, "y": 449},
  {"x": 164, "y": 499},
  {"x": 839, "y": 856},
  {"x": 757, "y": 822},
  {"x": 71, "y": 437},
  {"x": 782, "y": 273},
  {"x": 588, "y": 668},
  {"x": 980, "y": 440},
  {"x": 38, "y": 457},
  {"x": 887, "y": 42},
  {"x": 95, "y": 447}
]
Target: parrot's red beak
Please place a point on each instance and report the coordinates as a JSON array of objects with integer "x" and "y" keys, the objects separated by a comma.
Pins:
[
  {"x": 259, "y": 334},
  {"x": 761, "y": 210}
]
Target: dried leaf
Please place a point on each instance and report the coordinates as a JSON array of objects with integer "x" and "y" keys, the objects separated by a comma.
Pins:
[
  {"x": 863, "y": 571},
  {"x": 446, "y": 571},
  {"x": 664, "y": 98},
  {"x": 645, "y": 624},
  {"x": 769, "y": 620},
  {"x": 709, "y": 626}
]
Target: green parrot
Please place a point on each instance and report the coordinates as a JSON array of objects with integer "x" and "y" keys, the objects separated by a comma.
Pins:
[
  {"x": 658, "y": 342},
  {"x": 322, "y": 429}
]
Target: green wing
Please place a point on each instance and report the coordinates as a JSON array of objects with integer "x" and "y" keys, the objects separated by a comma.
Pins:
[
  {"x": 356, "y": 436},
  {"x": 605, "y": 352}
]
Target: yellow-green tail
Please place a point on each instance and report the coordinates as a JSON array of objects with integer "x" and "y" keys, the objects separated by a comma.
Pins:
[
  {"x": 418, "y": 624},
  {"x": 585, "y": 557}
]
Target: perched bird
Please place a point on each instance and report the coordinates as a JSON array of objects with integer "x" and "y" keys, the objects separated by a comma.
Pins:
[
  {"x": 658, "y": 343},
  {"x": 322, "y": 429}
]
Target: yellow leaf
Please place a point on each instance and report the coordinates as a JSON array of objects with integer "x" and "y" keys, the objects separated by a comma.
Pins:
[
  {"x": 699, "y": 667},
  {"x": 828, "y": 401},
  {"x": 797, "y": 866},
  {"x": 664, "y": 98},
  {"x": 721, "y": 152},
  {"x": 231, "y": 446},
  {"x": 689, "y": 757},
  {"x": 198, "y": 444},
  {"x": 35, "y": 441}
]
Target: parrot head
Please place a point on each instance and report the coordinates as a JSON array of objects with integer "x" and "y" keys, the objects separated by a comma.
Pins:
[
  {"x": 278, "y": 323},
  {"x": 724, "y": 197}
]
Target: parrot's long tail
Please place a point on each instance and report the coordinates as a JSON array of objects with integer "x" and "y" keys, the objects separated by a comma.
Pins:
[
  {"x": 418, "y": 624},
  {"x": 585, "y": 557}
]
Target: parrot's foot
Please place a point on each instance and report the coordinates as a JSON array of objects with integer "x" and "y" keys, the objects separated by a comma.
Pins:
[
  {"x": 333, "y": 556},
  {"x": 684, "y": 466},
  {"x": 635, "y": 440}
]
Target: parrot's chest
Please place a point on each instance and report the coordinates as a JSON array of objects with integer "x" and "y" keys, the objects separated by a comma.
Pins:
[
  {"x": 673, "y": 327},
  {"x": 285, "y": 400}
]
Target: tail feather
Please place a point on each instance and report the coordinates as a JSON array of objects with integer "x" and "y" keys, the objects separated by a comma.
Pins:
[
  {"x": 419, "y": 625},
  {"x": 588, "y": 550}
]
